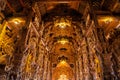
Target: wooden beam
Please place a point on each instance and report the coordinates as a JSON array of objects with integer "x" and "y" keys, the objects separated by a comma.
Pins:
[
  {"x": 115, "y": 6},
  {"x": 22, "y": 3},
  {"x": 103, "y": 12},
  {"x": 102, "y": 3},
  {"x": 60, "y": 1},
  {"x": 35, "y": 29},
  {"x": 11, "y": 8}
]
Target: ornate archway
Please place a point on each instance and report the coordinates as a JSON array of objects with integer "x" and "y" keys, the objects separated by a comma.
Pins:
[{"x": 63, "y": 71}]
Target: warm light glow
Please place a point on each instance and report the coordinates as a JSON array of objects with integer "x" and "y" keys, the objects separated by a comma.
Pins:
[
  {"x": 63, "y": 77},
  {"x": 62, "y": 23},
  {"x": 107, "y": 19},
  {"x": 2, "y": 33},
  {"x": 29, "y": 58},
  {"x": 63, "y": 41},
  {"x": 16, "y": 20},
  {"x": 63, "y": 71},
  {"x": 63, "y": 62}
]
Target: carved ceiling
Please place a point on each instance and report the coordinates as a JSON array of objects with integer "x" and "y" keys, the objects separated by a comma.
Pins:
[
  {"x": 102, "y": 8},
  {"x": 61, "y": 19}
]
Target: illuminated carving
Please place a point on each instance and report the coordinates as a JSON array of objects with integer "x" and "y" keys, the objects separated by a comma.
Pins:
[
  {"x": 62, "y": 22},
  {"x": 6, "y": 44},
  {"x": 63, "y": 71},
  {"x": 17, "y": 20},
  {"x": 107, "y": 19},
  {"x": 63, "y": 77},
  {"x": 63, "y": 41}
]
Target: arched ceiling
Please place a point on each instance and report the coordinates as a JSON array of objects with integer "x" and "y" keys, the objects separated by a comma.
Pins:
[
  {"x": 62, "y": 38},
  {"x": 102, "y": 8},
  {"x": 62, "y": 72},
  {"x": 53, "y": 10},
  {"x": 62, "y": 9}
]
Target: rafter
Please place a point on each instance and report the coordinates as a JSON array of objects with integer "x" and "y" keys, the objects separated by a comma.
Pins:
[{"x": 9, "y": 5}]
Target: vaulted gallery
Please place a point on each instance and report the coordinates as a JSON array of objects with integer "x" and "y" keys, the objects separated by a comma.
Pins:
[{"x": 59, "y": 40}]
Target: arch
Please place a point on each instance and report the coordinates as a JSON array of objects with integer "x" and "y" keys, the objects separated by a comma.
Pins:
[{"x": 63, "y": 71}]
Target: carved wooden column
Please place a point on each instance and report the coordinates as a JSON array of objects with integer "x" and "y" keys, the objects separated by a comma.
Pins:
[
  {"x": 85, "y": 61},
  {"x": 77, "y": 71},
  {"x": 113, "y": 49},
  {"x": 80, "y": 67},
  {"x": 48, "y": 71},
  {"x": 45, "y": 68}
]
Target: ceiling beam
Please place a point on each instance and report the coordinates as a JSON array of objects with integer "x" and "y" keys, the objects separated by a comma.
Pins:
[
  {"x": 60, "y": 1},
  {"x": 22, "y": 3},
  {"x": 102, "y": 3},
  {"x": 115, "y": 5},
  {"x": 103, "y": 12},
  {"x": 11, "y": 8}
]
